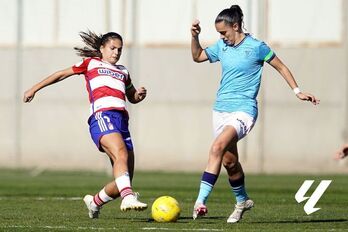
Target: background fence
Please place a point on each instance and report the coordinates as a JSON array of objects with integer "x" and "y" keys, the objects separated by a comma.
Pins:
[{"x": 172, "y": 128}]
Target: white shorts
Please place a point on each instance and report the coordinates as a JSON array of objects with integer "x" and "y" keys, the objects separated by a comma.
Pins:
[{"x": 242, "y": 122}]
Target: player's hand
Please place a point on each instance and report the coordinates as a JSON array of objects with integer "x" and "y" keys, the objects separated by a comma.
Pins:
[
  {"x": 342, "y": 152},
  {"x": 308, "y": 97},
  {"x": 141, "y": 92},
  {"x": 28, "y": 95},
  {"x": 195, "y": 28}
]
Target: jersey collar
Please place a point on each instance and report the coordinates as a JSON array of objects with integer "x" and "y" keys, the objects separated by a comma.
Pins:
[{"x": 240, "y": 43}]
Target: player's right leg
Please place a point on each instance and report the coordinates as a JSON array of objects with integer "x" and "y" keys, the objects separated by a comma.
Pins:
[
  {"x": 96, "y": 202},
  {"x": 207, "y": 183},
  {"x": 212, "y": 171}
]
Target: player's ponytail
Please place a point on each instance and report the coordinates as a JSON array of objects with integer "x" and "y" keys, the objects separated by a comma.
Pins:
[
  {"x": 235, "y": 9},
  {"x": 231, "y": 15},
  {"x": 93, "y": 43}
]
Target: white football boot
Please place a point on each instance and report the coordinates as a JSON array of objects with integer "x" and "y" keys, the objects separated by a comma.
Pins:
[
  {"x": 131, "y": 202},
  {"x": 239, "y": 211},
  {"x": 93, "y": 212}
]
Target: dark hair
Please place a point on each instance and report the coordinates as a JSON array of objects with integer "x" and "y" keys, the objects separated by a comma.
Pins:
[
  {"x": 231, "y": 15},
  {"x": 94, "y": 42}
]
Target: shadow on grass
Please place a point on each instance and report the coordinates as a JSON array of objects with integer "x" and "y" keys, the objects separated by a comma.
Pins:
[
  {"x": 201, "y": 218},
  {"x": 180, "y": 220}
]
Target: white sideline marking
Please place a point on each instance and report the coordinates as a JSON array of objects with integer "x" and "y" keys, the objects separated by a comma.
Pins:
[
  {"x": 44, "y": 198},
  {"x": 102, "y": 228},
  {"x": 176, "y": 229},
  {"x": 60, "y": 227},
  {"x": 36, "y": 171}
]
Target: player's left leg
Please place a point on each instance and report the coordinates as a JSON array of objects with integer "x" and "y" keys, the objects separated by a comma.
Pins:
[
  {"x": 236, "y": 179},
  {"x": 243, "y": 123},
  {"x": 114, "y": 145},
  {"x": 132, "y": 202}
]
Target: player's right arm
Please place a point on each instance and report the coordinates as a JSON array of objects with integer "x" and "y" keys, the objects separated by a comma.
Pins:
[
  {"x": 53, "y": 78},
  {"x": 342, "y": 152},
  {"x": 198, "y": 54}
]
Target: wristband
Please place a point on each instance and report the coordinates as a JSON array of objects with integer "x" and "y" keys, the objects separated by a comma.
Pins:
[{"x": 296, "y": 90}]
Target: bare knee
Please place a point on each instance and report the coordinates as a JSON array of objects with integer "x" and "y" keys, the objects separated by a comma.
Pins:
[
  {"x": 217, "y": 150},
  {"x": 230, "y": 163}
]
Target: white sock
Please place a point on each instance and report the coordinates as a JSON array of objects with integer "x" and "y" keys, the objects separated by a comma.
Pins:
[
  {"x": 124, "y": 186},
  {"x": 101, "y": 198}
]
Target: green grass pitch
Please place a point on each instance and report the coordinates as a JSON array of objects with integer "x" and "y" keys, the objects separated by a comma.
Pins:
[{"x": 52, "y": 201}]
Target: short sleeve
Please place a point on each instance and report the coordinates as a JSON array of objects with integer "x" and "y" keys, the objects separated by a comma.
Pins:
[
  {"x": 212, "y": 52},
  {"x": 128, "y": 81},
  {"x": 81, "y": 67},
  {"x": 265, "y": 53}
]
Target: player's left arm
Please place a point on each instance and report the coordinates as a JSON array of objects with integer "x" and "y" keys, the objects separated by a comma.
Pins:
[
  {"x": 284, "y": 71},
  {"x": 135, "y": 95}
]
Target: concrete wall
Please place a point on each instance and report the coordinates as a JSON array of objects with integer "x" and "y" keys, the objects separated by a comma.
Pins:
[{"x": 171, "y": 129}]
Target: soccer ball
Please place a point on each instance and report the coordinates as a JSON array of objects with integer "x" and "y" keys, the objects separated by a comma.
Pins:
[{"x": 165, "y": 209}]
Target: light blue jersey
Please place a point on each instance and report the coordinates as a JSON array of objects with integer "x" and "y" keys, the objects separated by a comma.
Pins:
[{"x": 241, "y": 73}]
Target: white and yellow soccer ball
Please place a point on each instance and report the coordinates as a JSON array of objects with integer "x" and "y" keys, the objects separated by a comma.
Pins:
[{"x": 165, "y": 209}]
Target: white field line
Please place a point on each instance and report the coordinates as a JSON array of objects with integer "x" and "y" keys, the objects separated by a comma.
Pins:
[
  {"x": 44, "y": 198},
  {"x": 101, "y": 228},
  {"x": 176, "y": 229},
  {"x": 61, "y": 198},
  {"x": 59, "y": 227}
]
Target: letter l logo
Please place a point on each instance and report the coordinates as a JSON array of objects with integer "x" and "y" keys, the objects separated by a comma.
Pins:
[{"x": 318, "y": 192}]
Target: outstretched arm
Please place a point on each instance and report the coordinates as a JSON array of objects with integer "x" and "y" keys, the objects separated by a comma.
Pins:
[
  {"x": 54, "y": 78},
  {"x": 286, "y": 74},
  {"x": 198, "y": 55},
  {"x": 134, "y": 96}
]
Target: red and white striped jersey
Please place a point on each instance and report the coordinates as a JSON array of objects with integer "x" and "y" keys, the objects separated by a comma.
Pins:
[{"x": 106, "y": 84}]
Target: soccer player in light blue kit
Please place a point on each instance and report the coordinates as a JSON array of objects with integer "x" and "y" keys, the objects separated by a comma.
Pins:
[{"x": 235, "y": 110}]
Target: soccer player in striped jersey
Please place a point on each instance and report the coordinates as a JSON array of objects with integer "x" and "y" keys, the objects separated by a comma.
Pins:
[
  {"x": 235, "y": 110},
  {"x": 108, "y": 85}
]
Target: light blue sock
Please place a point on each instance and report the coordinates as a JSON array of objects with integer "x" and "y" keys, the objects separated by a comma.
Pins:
[
  {"x": 238, "y": 188},
  {"x": 207, "y": 183}
]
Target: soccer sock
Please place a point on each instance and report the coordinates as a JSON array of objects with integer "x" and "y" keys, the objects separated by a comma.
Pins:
[
  {"x": 124, "y": 186},
  {"x": 207, "y": 183},
  {"x": 101, "y": 198},
  {"x": 238, "y": 188}
]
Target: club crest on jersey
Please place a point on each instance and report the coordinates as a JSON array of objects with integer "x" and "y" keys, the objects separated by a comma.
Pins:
[
  {"x": 247, "y": 53},
  {"x": 111, "y": 127},
  {"x": 104, "y": 71}
]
